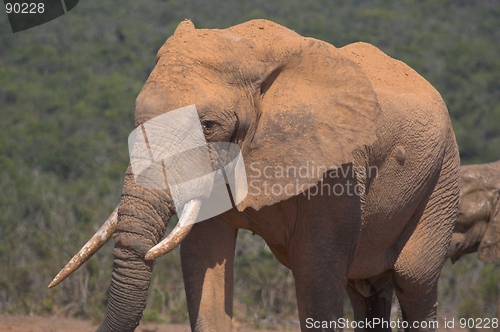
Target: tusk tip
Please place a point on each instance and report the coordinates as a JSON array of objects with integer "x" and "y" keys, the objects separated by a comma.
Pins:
[
  {"x": 54, "y": 283},
  {"x": 59, "y": 277}
]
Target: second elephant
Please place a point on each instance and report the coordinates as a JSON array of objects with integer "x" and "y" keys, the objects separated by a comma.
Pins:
[{"x": 478, "y": 224}]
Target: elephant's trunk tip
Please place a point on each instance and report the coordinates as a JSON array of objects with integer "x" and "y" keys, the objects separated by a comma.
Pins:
[
  {"x": 90, "y": 248},
  {"x": 180, "y": 231}
]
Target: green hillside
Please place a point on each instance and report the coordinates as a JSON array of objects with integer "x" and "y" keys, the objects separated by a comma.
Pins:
[{"x": 67, "y": 92}]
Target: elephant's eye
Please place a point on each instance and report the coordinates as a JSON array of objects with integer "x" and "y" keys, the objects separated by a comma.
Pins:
[{"x": 208, "y": 126}]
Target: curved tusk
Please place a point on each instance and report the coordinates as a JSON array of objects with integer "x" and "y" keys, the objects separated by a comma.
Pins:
[
  {"x": 90, "y": 248},
  {"x": 180, "y": 231}
]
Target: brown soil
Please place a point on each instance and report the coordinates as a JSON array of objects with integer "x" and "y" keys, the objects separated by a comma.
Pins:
[{"x": 16, "y": 323}]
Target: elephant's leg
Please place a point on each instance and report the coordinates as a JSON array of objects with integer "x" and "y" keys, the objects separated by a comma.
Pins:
[
  {"x": 416, "y": 278},
  {"x": 419, "y": 263},
  {"x": 321, "y": 249},
  {"x": 375, "y": 304},
  {"x": 320, "y": 267},
  {"x": 357, "y": 302},
  {"x": 320, "y": 296},
  {"x": 415, "y": 281},
  {"x": 207, "y": 256}
]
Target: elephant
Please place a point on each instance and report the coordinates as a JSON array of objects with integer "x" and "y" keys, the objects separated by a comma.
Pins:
[
  {"x": 346, "y": 165},
  {"x": 478, "y": 224}
]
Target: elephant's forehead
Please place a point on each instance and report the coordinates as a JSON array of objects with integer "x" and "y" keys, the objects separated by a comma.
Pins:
[
  {"x": 157, "y": 100},
  {"x": 178, "y": 73},
  {"x": 209, "y": 48}
]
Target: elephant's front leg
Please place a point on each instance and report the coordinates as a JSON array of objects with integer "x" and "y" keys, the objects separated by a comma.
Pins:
[
  {"x": 322, "y": 248},
  {"x": 320, "y": 262},
  {"x": 207, "y": 256},
  {"x": 320, "y": 289}
]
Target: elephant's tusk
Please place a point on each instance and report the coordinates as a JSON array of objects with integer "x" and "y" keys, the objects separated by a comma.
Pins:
[
  {"x": 180, "y": 231},
  {"x": 90, "y": 248}
]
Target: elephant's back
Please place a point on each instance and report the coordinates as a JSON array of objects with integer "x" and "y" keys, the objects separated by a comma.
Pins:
[
  {"x": 403, "y": 94},
  {"x": 388, "y": 74}
]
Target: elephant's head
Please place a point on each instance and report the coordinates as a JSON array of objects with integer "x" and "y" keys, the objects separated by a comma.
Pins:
[
  {"x": 478, "y": 223},
  {"x": 284, "y": 100}
]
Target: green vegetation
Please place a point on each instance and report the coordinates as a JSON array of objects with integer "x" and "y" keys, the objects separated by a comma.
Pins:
[{"x": 67, "y": 91}]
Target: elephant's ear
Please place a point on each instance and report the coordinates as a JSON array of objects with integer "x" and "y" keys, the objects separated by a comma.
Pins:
[
  {"x": 314, "y": 110},
  {"x": 184, "y": 26},
  {"x": 489, "y": 248}
]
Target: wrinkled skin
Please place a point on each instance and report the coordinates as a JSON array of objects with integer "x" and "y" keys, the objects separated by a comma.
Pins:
[
  {"x": 292, "y": 101},
  {"x": 478, "y": 224}
]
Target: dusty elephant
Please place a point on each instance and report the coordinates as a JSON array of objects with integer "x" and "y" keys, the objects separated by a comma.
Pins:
[{"x": 351, "y": 174}]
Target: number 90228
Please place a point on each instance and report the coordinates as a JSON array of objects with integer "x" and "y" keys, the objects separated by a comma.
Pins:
[
  {"x": 24, "y": 8},
  {"x": 478, "y": 323}
]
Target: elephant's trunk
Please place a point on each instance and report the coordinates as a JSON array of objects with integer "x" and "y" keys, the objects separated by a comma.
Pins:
[
  {"x": 132, "y": 272},
  {"x": 142, "y": 219},
  {"x": 128, "y": 291}
]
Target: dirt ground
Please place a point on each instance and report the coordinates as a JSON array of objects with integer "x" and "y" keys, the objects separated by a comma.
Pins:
[{"x": 15, "y": 323}]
